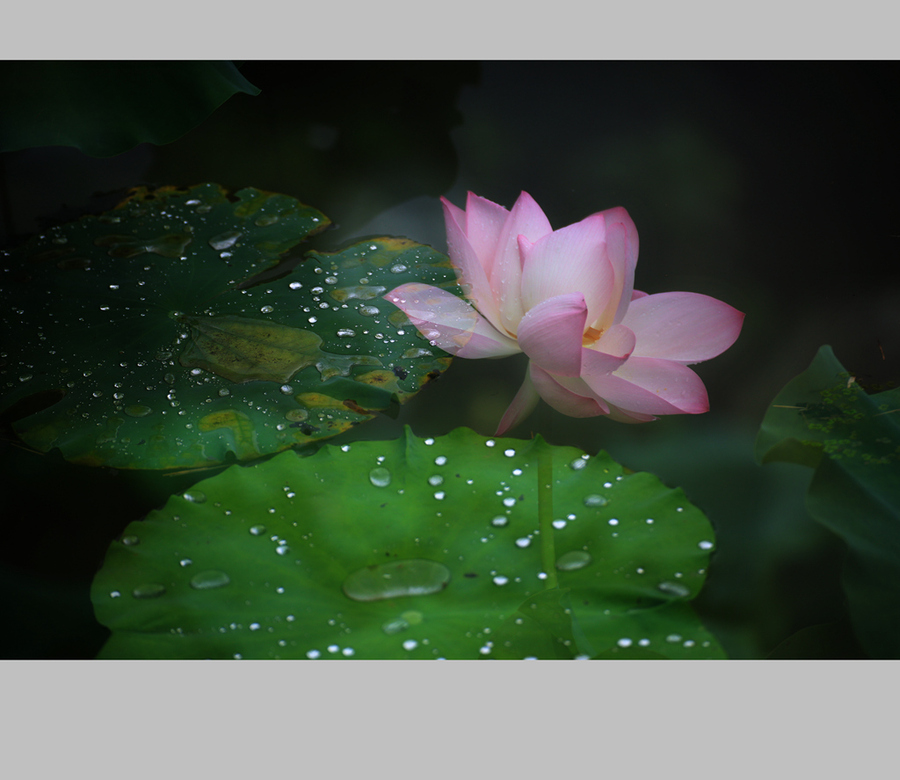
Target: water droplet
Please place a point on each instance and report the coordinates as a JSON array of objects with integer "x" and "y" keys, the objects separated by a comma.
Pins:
[
  {"x": 500, "y": 580},
  {"x": 149, "y": 590},
  {"x": 559, "y": 524},
  {"x": 295, "y": 285},
  {"x": 286, "y": 389},
  {"x": 624, "y": 642},
  {"x": 185, "y": 561},
  {"x": 509, "y": 453},
  {"x": 673, "y": 638},
  {"x": 380, "y": 476},
  {"x": 674, "y": 589},
  {"x": 435, "y": 480},
  {"x": 137, "y": 410},
  {"x": 649, "y": 521},
  {"x": 206, "y": 580},
  {"x": 224, "y": 240},
  {"x": 313, "y": 654},
  {"x": 398, "y": 269},
  {"x": 282, "y": 549},
  {"x": 429, "y": 442},
  {"x": 368, "y": 311},
  {"x": 267, "y": 309},
  {"x": 595, "y": 500},
  {"x": 345, "y": 332},
  {"x": 257, "y": 530},
  {"x": 395, "y": 626},
  {"x": 195, "y": 496},
  {"x": 440, "y": 460},
  {"x": 440, "y": 495},
  {"x": 489, "y": 443},
  {"x": 523, "y": 542},
  {"x": 578, "y": 464},
  {"x": 410, "y": 577},
  {"x": 130, "y": 540},
  {"x": 500, "y": 521},
  {"x": 576, "y": 559},
  {"x": 509, "y": 501},
  {"x": 613, "y": 521},
  {"x": 410, "y": 644},
  {"x": 704, "y": 545}
]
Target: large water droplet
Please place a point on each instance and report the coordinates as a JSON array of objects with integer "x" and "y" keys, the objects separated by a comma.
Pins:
[
  {"x": 195, "y": 496},
  {"x": 570, "y": 561},
  {"x": 595, "y": 500},
  {"x": 437, "y": 479},
  {"x": 500, "y": 521},
  {"x": 210, "y": 579},
  {"x": 380, "y": 476},
  {"x": 410, "y": 577},
  {"x": 137, "y": 410},
  {"x": 130, "y": 540},
  {"x": 149, "y": 590},
  {"x": 257, "y": 530},
  {"x": 674, "y": 589}
]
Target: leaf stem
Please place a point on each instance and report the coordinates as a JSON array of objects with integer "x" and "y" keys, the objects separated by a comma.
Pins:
[{"x": 545, "y": 513}]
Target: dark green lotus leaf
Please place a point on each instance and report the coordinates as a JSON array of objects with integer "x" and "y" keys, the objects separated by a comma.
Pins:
[
  {"x": 135, "y": 339},
  {"x": 411, "y": 549},
  {"x": 825, "y": 420},
  {"x": 104, "y": 108}
]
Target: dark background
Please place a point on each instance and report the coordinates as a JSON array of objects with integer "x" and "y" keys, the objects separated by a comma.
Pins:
[{"x": 772, "y": 186}]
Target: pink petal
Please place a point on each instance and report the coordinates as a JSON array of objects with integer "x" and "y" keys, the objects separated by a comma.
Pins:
[
  {"x": 650, "y": 386},
  {"x": 683, "y": 327},
  {"x": 572, "y": 259},
  {"x": 525, "y": 219},
  {"x": 551, "y": 333},
  {"x": 618, "y": 341},
  {"x": 522, "y": 405},
  {"x": 449, "y": 323},
  {"x": 571, "y": 396},
  {"x": 484, "y": 222},
  {"x": 628, "y": 253}
]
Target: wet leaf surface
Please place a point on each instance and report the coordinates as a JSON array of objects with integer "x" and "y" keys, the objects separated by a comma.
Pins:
[
  {"x": 414, "y": 549},
  {"x": 160, "y": 335}
]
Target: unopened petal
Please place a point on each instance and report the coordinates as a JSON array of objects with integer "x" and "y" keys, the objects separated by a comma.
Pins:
[
  {"x": 652, "y": 386},
  {"x": 522, "y": 405},
  {"x": 472, "y": 275},
  {"x": 451, "y": 324},
  {"x": 484, "y": 222},
  {"x": 572, "y": 259},
  {"x": 528, "y": 220},
  {"x": 624, "y": 255},
  {"x": 682, "y": 326},
  {"x": 551, "y": 333}
]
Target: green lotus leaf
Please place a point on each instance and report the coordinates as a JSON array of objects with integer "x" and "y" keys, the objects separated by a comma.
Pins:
[
  {"x": 411, "y": 549},
  {"x": 825, "y": 420},
  {"x": 172, "y": 332}
]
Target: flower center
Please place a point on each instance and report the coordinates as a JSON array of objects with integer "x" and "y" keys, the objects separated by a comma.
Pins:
[{"x": 591, "y": 336}]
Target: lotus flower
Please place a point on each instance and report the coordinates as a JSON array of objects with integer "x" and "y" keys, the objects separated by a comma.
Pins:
[{"x": 566, "y": 299}]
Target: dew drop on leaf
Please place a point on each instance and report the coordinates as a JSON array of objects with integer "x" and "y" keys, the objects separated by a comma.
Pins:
[
  {"x": 409, "y": 577},
  {"x": 149, "y": 590},
  {"x": 380, "y": 476},
  {"x": 571, "y": 561},
  {"x": 257, "y": 530},
  {"x": 209, "y": 579},
  {"x": 674, "y": 589},
  {"x": 195, "y": 496},
  {"x": 595, "y": 500}
]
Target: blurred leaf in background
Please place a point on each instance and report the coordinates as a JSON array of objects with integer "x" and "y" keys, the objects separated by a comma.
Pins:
[
  {"x": 824, "y": 419},
  {"x": 105, "y": 108}
]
